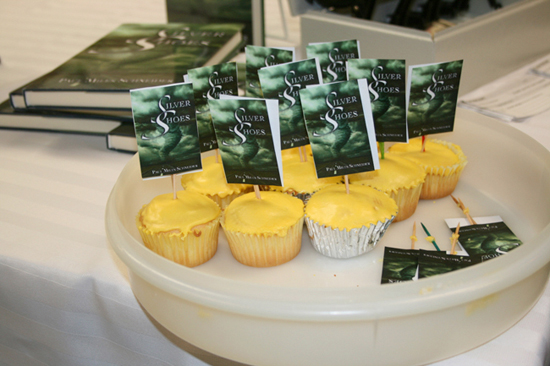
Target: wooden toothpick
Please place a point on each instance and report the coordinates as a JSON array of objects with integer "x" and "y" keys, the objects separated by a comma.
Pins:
[
  {"x": 174, "y": 192},
  {"x": 257, "y": 191},
  {"x": 464, "y": 209},
  {"x": 413, "y": 237},
  {"x": 454, "y": 239},
  {"x": 346, "y": 181}
]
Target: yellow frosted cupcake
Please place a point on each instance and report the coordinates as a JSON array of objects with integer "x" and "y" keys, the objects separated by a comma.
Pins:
[
  {"x": 264, "y": 232},
  {"x": 211, "y": 182},
  {"x": 300, "y": 178},
  {"x": 342, "y": 225},
  {"x": 184, "y": 230},
  {"x": 399, "y": 178},
  {"x": 442, "y": 161}
]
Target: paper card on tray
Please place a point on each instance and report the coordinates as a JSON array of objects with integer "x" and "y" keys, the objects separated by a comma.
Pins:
[
  {"x": 332, "y": 57},
  {"x": 432, "y": 263},
  {"x": 387, "y": 87},
  {"x": 283, "y": 82},
  {"x": 166, "y": 130},
  {"x": 340, "y": 128},
  {"x": 258, "y": 57},
  {"x": 399, "y": 265},
  {"x": 432, "y": 91},
  {"x": 248, "y": 136},
  {"x": 209, "y": 82},
  {"x": 490, "y": 237}
]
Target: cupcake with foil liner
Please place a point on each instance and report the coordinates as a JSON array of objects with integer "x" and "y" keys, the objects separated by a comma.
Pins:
[
  {"x": 182, "y": 229},
  {"x": 211, "y": 182},
  {"x": 266, "y": 231},
  {"x": 346, "y": 225},
  {"x": 399, "y": 178},
  {"x": 443, "y": 162}
]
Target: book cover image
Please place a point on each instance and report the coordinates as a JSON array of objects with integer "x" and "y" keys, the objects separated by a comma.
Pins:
[
  {"x": 340, "y": 128},
  {"x": 332, "y": 57},
  {"x": 246, "y": 129},
  {"x": 210, "y": 82},
  {"x": 487, "y": 240},
  {"x": 139, "y": 55},
  {"x": 399, "y": 265},
  {"x": 433, "y": 263},
  {"x": 433, "y": 93},
  {"x": 258, "y": 57},
  {"x": 387, "y": 88},
  {"x": 166, "y": 130},
  {"x": 283, "y": 83}
]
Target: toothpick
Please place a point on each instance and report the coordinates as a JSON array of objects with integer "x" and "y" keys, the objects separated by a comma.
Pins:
[
  {"x": 301, "y": 154},
  {"x": 413, "y": 237},
  {"x": 174, "y": 192},
  {"x": 454, "y": 239},
  {"x": 381, "y": 144},
  {"x": 257, "y": 191},
  {"x": 217, "y": 155},
  {"x": 430, "y": 238},
  {"x": 464, "y": 209},
  {"x": 346, "y": 181},
  {"x": 304, "y": 152},
  {"x": 423, "y": 143}
]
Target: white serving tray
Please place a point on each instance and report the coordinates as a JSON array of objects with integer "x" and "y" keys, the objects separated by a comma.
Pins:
[{"x": 316, "y": 310}]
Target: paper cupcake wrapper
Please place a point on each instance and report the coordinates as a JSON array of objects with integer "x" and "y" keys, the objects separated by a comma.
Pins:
[
  {"x": 223, "y": 202},
  {"x": 197, "y": 247},
  {"x": 441, "y": 181},
  {"x": 258, "y": 250},
  {"x": 407, "y": 201},
  {"x": 336, "y": 243}
]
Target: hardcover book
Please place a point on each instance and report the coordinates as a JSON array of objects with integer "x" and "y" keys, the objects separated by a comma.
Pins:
[
  {"x": 122, "y": 138},
  {"x": 61, "y": 121},
  {"x": 132, "y": 56}
]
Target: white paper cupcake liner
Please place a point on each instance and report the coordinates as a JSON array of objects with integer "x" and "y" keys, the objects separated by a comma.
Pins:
[{"x": 336, "y": 243}]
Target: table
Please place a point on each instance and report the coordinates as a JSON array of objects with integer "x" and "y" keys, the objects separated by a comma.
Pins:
[{"x": 65, "y": 297}]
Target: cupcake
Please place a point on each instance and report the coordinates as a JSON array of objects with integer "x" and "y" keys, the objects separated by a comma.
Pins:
[
  {"x": 211, "y": 182},
  {"x": 345, "y": 225},
  {"x": 399, "y": 178},
  {"x": 300, "y": 178},
  {"x": 264, "y": 232},
  {"x": 184, "y": 230},
  {"x": 442, "y": 161}
]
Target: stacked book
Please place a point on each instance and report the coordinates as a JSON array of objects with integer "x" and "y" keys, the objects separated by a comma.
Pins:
[{"x": 89, "y": 93}]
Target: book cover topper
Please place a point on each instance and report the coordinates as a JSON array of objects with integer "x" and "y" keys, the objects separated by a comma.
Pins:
[{"x": 166, "y": 130}]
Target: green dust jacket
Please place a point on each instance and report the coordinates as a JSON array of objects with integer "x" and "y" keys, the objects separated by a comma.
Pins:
[
  {"x": 433, "y": 94},
  {"x": 283, "y": 83},
  {"x": 258, "y": 57},
  {"x": 210, "y": 82},
  {"x": 387, "y": 87},
  {"x": 248, "y": 139},
  {"x": 140, "y": 55},
  {"x": 332, "y": 57},
  {"x": 166, "y": 130},
  {"x": 340, "y": 128}
]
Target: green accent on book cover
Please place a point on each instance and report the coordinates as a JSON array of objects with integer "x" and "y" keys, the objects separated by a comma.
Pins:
[
  {"x": 166, "y": 130},
  {"x": 433, "y": 93},
  {"x": 387, "y": 95},
  {"x": 487, "y": 240},
  {"x": 432, "y": 263},
  {"x": 139, "y": 55},
  {"x": 258, "y": 57},
  {"x": 246, "y": 141},
  {"x": 332, "y": 57},
  {"x": 210, "y": 82},
  {"x": 340, "y": 128},
  {"x": 283, "y": 82},
  {"x": 399, "y": 265}
]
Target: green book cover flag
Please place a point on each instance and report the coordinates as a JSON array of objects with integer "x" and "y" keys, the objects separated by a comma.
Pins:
[
  {"x": 339, "y": 123},
  {"x": 283, "y": 82},
  {"x": 387, "y": 88},
  {"x": 258, "y": 57},
  {"x": 247, "y": 131},
  {"x": 210, "y": 82},
  {"x": 332, "y": 57},
  {"x": 166, "y": 130},
  {"x": 432, "y": 97}
]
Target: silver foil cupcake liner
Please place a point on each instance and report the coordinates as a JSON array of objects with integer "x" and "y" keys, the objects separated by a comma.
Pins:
[{"x": 336, "y": 243}]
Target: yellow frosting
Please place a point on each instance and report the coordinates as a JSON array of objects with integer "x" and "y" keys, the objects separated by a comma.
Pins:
[
  {"x": 332, "y": 206},
  {"x": 395, "y": 173},
  {"x": 211, "y": 180},
  {"x": 436, "y": 154},
  {"x": 301, "y": 177},
  {"x": 273, "y": 214},
  {"x": 166, "y": 214}
]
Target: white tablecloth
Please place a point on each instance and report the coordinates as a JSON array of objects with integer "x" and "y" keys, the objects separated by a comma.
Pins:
[{"x": 65, "y": 297}]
